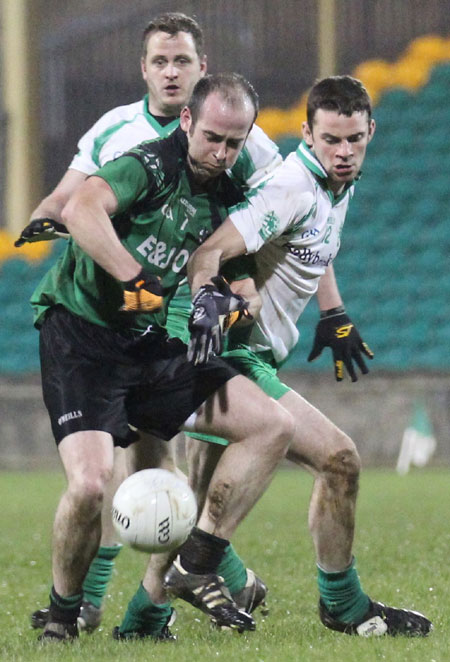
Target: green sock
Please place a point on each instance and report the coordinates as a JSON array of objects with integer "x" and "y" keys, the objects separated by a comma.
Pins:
[
  {"x": 143, "y": 616},
  {"x": 342, "y": 594},
  {"x": 99, "y": 574},
  {"x": 233, "y": 570}
]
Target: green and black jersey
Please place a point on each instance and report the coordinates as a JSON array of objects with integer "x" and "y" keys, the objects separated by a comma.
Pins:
[{"x": 163, "y": 215}]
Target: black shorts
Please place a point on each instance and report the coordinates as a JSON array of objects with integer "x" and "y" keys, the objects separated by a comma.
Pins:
[{"x": 94, "y": 378}]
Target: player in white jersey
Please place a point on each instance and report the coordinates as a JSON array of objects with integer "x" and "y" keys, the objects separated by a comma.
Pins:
[
  {"x": 172, "y": 62},
  {"x": 295, "y": 239},
  {"x": 293, "y": 225}
]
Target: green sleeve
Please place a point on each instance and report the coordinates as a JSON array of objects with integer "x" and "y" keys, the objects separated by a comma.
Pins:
[
  {"x": 179, "y": 312},
  {"x": 128, "y": 179}
]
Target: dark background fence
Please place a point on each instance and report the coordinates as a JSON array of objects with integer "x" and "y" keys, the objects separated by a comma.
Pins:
[{"x": 90, "y": 51}]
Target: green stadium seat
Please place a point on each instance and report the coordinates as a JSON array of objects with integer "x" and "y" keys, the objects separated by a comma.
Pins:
[
  {"x": 288, "y": 144},
  {"x": 15, "y": 268},
  {"x": 431, "y": 358},
  {"x": 438, "y": 187},
  {"x": 434, "y": 95},
  {"x": 440, "y": 75}
]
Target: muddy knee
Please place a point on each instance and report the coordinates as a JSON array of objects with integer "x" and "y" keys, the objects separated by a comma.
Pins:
[
  {"x": 342, "y": 470},
  {"x": 218, "y": 499}
]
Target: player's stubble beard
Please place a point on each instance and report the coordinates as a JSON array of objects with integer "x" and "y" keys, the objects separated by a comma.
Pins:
[{"x": 201, "y": 173}]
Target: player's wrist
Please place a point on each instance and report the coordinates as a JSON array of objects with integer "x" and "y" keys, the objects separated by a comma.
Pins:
[
  {"x": 43, "y": 218},
  {"x": 332, "y": 312},
  {"x": 143, "y": 293},
  {"x": 130, "y": 284}
]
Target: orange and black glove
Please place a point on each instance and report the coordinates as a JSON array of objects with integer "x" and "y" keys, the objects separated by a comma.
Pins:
[
  {"x": 336, "y": 330},
  {"x": 41, "y": 229},
  {"x": 142, "y": 294}
]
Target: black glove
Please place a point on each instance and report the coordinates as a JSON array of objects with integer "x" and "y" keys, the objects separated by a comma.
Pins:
[
  {"x": 142, "y": 294},
  {"x": 216, "y": 308},
  {"x": 336, "y": 330},
  {"x": 41, "y": 229}
]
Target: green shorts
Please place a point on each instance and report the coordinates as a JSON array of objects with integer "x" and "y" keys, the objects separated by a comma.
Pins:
[{"x": 260, "y": 368}]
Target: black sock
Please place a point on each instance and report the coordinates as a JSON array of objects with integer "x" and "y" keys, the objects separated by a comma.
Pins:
[
  {"x": 202, "y": 552},
  {"x": 64, "y": 610}
]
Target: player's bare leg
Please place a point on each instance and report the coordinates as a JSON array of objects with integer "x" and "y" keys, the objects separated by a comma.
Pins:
[
  {"x": 120, "y": 472},
  {"x": 202, "y": 458},
  {"x": 101, "y": 568},
  {"x": 151, "y": 452},
  {"x": 259, "y": 431},
  {"x": 248, "y": 590},
  {"x": 148, "y": 452},
  {"x": 88, "y": 459},
  {"x": 149, "y": 612},
  {"x": 331, "y": 456},
  {"x": 88, "y": 462}
]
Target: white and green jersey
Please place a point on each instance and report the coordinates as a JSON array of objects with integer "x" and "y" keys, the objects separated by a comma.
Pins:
[
  {"x": 293, "y": 224},
  {"x": 123, "y": 127}
]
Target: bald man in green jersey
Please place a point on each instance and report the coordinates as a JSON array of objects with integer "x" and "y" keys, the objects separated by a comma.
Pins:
[
  {"x": 107, "y": 360},
  {"x": 172, "y": 61}
]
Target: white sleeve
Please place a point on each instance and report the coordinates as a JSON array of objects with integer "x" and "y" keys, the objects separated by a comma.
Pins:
[
  {"x": 84, "y": 159},
  {"x": 87, "y": 158},
  {"x": 272, "y": 209}
]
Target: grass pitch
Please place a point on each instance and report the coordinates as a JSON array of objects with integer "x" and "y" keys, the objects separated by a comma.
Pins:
[{"x": 402, "y": 543}]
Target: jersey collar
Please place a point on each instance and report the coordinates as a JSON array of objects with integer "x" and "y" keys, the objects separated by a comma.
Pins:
[
  {"x": 309, "y": 159},
  {"x": 162, "y": 131}
]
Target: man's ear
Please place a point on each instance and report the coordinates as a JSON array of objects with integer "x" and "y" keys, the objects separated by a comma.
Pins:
[
  {"x": 307, "y": 134},
  {"x": 185, "y": 119},
  {"x": 203, "y": 66},
  {"x": 143, "y": 69},
  {"x": 372, "y": 127}
]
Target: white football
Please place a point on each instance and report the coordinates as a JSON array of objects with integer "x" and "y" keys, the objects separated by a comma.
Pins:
[{"x": 154, "y": 511}]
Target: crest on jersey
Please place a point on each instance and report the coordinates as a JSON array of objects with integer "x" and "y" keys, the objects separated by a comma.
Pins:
[{"x": 270, "y": 225}]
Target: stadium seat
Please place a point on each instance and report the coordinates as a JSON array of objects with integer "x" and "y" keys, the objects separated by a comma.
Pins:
[
  {"x": 395, "y": 100},
  {"x": 440, "y": 75},
  {"x": 288, "y": 144}
]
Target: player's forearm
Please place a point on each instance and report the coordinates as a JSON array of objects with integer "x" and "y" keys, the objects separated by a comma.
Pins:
[
  {"x": 49, "y": 207},
  {"x": 86, "y": 216},
  {"x": 226, "y": 242},
  {"x": 53, "y": 204},
  {"x": 328, "y": 293},
  {"x": 202, "y": 266}
]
